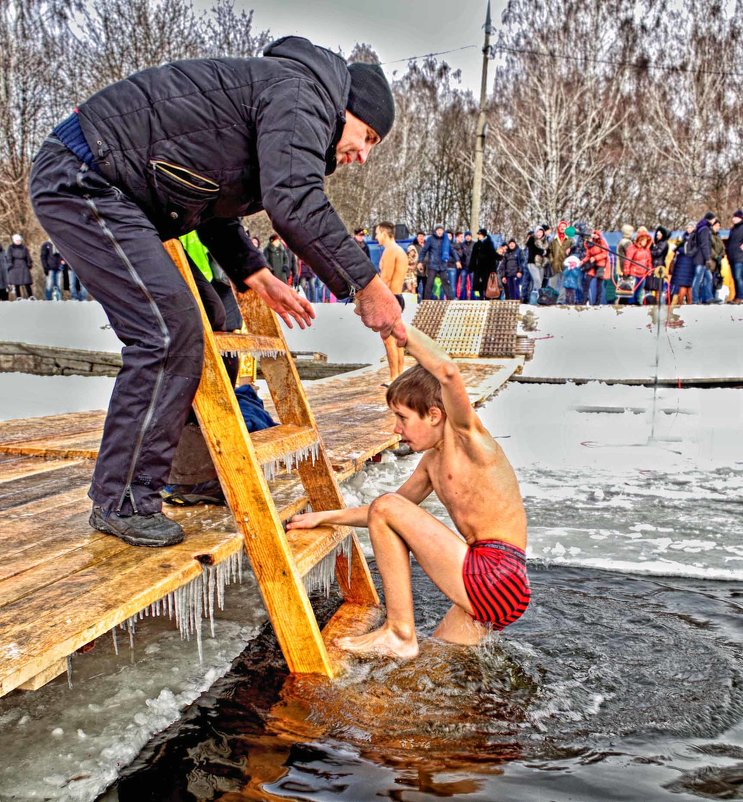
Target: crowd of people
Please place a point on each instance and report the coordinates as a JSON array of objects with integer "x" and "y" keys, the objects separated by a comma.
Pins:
[
  {"x": 16, "y": 277},
  {"x": 567, "y": 265},
  {"x": 576, "y": 265}
]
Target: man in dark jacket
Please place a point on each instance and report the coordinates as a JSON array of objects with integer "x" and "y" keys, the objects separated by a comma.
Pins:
[
  {"x": 195, "y": 145},
  {"x": 359, "y": 235},
  {"x": 438, "y": 255},
  {"x": 51, "y": 263},
  {"x": 463, "y": 244},
  {"x": 701, "y": 288},
  {"x": 277, "y": 258},
  {"x": 510, "y": 271},
  {"x": 734, "y": 249},
  {"x": 484, "y": 262}
]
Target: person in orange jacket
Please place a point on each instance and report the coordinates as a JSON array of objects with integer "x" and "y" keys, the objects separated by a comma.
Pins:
[
  {"x": 595, "y": 265},
  {"x": 639, "y": 261}
]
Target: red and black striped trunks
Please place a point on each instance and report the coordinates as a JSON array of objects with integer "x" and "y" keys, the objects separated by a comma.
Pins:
[{"x": 495, "y": 579}]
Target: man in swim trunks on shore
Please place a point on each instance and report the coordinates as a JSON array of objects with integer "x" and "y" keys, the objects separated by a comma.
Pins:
[{"x": 483, "y": 568}]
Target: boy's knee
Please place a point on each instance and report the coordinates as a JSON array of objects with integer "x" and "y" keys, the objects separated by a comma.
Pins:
[{"x": 385, "y": 505}]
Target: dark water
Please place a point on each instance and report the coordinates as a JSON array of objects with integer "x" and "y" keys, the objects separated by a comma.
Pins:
[{"x": 612, "y": 687}]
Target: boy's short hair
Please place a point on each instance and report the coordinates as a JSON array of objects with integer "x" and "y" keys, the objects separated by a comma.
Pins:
[
  {"x": 417, "y": 389},
  {"x": 387, "y": 227}
]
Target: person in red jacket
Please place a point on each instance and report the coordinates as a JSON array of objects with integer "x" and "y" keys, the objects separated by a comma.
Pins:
[
  {"x": 639, "y": 261},
  {"x": 595, "y": 265}
]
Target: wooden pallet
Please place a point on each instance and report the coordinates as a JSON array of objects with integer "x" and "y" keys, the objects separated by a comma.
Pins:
[{"x": 472, "y": 328}]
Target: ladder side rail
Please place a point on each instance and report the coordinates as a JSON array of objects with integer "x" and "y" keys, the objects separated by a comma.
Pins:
[
  {"x": 318, "y": 476},
  {"x": 249, "y": 498}
]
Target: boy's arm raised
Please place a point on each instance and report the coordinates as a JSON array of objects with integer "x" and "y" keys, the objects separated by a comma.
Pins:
[{"x": 453, "y": 390}]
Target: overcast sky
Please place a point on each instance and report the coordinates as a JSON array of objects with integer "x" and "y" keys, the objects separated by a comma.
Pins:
[{"x": 397, "y": 29}]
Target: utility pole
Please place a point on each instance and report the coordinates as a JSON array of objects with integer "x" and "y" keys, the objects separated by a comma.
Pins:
[{"x": 481, "y": 130}]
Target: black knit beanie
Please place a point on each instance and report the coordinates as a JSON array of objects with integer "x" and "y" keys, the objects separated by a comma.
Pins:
[{"x": 370, "y": 98}]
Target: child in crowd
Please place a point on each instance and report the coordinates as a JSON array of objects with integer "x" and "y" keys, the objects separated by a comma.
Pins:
[
  {"x": 482, "y": 570},
  {"x": 571, "y": 277}
]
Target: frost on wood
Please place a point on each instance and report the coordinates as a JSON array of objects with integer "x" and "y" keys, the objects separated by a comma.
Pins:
[
  {"x": 322, "y": 575},
  {"x": 193, "y": 602},
  {"x": 291, "y": 460}
]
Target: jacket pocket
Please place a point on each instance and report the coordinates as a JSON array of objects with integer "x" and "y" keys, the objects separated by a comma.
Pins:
[{"x": 181, "y": 194}]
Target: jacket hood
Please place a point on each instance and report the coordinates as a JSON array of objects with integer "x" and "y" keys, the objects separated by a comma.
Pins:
[
  {"x": 328, "y": 68},
  {"x": 664, "y": 234},
  {"x": 627, "y": 231},
  {"x": 643, "y": 238}
]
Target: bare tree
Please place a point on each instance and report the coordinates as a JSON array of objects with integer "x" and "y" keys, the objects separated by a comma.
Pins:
[{"x": 30, "y": 47}]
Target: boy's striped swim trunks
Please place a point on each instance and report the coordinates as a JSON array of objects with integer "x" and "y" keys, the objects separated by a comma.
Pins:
[{"x": 496, "y": 582}]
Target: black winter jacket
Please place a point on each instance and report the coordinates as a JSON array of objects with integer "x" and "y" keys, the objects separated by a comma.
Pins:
[
  {"x": 734, "y": 244},
  {"x": 3, "y": 270},
  {"x": 51, "y": 259},
  {"x": 484, "y": 261},
  {"x": 704, "y": 243},
  {"x": 510, "y": 267},
  {"x": 198, "y": 143},
  {"x": 659, "y": 248}
]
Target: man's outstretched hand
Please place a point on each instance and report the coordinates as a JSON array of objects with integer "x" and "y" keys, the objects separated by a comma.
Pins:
[
  {"x": 281, "y": 298},
  {"x": 379, "y": 310}
]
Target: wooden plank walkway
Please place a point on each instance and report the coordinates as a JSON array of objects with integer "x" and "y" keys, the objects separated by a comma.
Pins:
[{"x": 62, "y": 584}]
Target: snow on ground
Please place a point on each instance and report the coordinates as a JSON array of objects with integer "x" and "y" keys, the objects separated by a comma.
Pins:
[{"x": 602, "y": 342}]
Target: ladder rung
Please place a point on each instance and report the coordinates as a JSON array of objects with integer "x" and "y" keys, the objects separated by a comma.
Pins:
[
  {"x": 239, "y": 342},
  {"x": 280, "y": 441},
  {"x": 309, "y": 546}
]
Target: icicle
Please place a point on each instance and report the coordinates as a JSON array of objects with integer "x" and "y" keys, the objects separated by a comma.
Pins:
[
  {"x": 116, "y": 642},
  {"x": 258, "y": 353},
  {"x": 210, "y": 580},
  {"x": 322, "y": 575},
  {"x": 69, "y": 671},
  {"x": 221, "y": 570},
  {"x": 347, "y": 550}
]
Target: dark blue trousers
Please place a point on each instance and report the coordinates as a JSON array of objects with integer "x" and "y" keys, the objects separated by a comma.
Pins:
[{"x": 117, "y": 253}]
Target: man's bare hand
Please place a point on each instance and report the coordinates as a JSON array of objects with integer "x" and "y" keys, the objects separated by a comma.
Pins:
[
  {"x": 281, "y": 298},
  {"x": 400, "y": 333},
  {"x": 378, "y": 307}
]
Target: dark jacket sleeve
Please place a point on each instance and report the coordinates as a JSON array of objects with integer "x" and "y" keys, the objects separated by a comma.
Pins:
[
  {"x": 705, "y": 245},
  {"x": 295, "y": 129},
  {"x": 423, "y": 255},
  {"x": 228, "y": 243},
  {"x": 46, "y": 252}
]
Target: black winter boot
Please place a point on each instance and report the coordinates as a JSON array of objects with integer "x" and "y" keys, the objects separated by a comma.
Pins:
[{"x": 138, "y": 530}]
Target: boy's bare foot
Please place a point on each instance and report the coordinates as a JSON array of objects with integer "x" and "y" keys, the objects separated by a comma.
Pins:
[{"x": 382, "y": 641}]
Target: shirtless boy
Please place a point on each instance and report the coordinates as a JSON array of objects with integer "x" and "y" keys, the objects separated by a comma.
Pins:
[
  {"x": 393, "y": 266},
  {"x": 484, "y": 571}
]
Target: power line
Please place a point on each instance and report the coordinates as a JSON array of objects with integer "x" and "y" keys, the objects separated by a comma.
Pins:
[
  {"x": 613, "y": 63},
  {"x": 565, "y": 57},
  {"x": 427, "y": 55}
]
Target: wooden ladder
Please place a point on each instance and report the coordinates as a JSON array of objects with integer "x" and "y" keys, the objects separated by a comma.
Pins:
[{"x": 279, "y": 559}]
